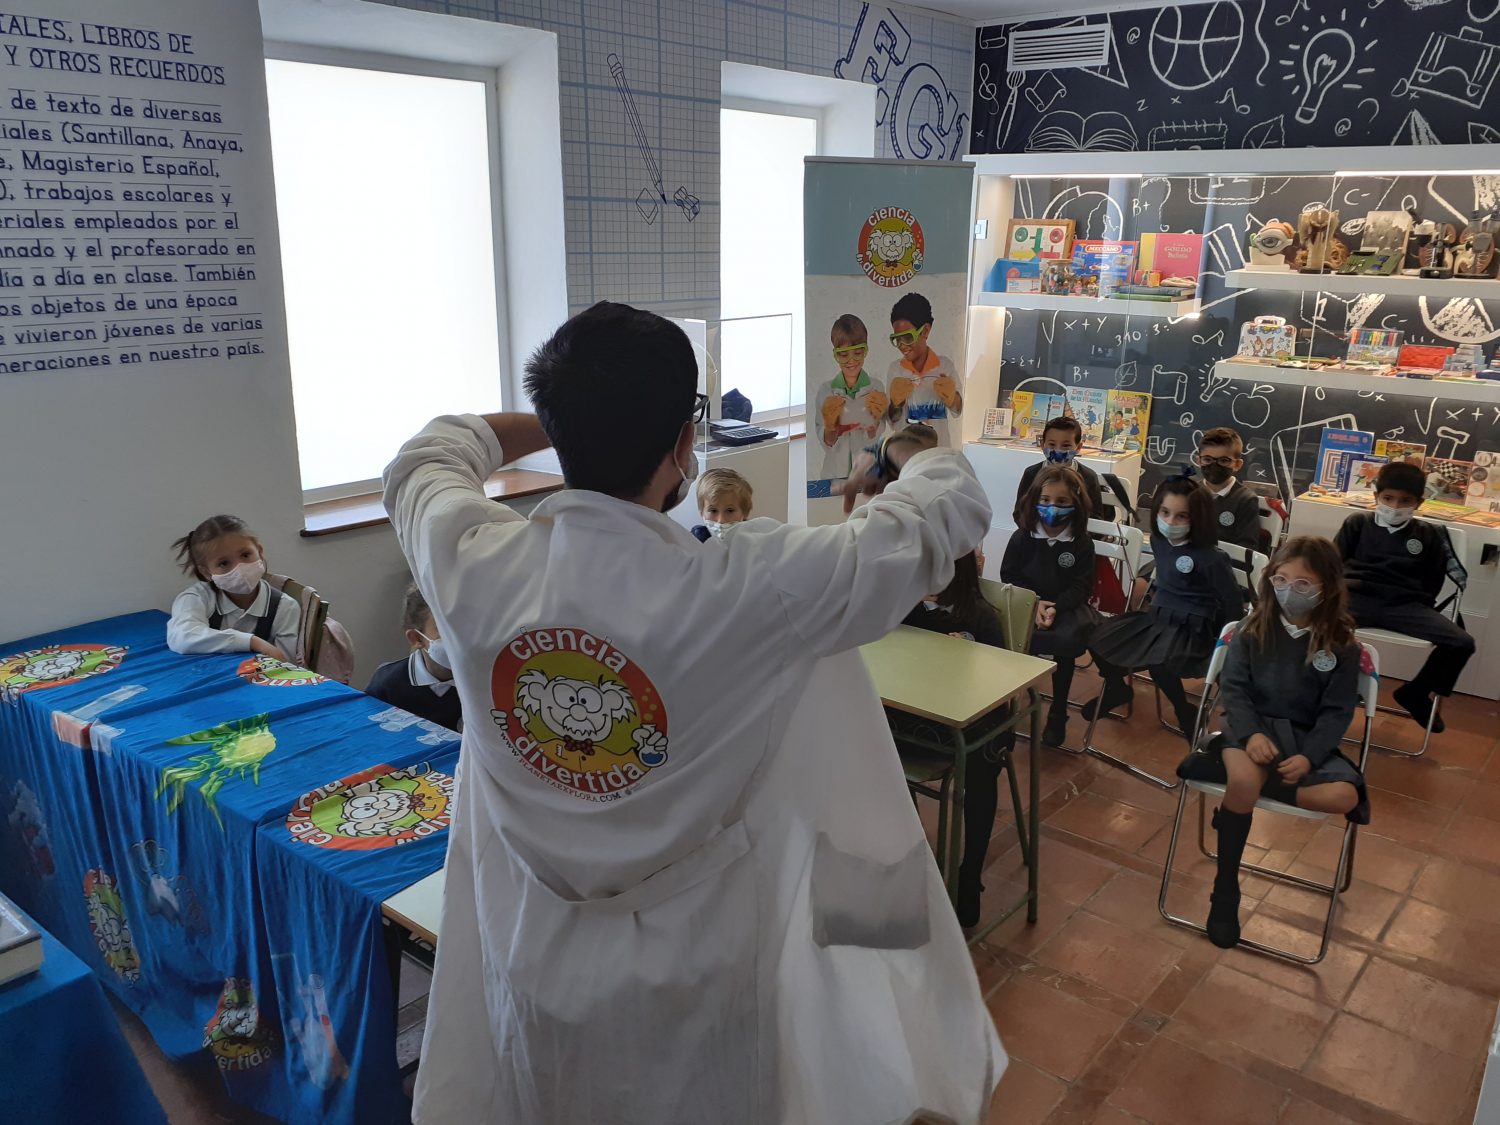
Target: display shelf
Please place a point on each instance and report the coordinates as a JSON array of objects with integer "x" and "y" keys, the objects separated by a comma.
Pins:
[
  {"x": 1480, "y": 390},
  {"x": 1362, "y": 283},
  {"x": 1120, "y": 306}
]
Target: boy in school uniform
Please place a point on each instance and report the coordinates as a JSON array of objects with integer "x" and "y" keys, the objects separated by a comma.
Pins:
[
  {"x": 1062, "y": 438},
  {"x": 1221, "y": 454},
  {"x": 422, "y": 683},
  {"x": 1395, "y": 566},
  {"x": 924, "y": 386},
  {"x": 724, "y": 498},
  {"x": 852, "y": 407}
]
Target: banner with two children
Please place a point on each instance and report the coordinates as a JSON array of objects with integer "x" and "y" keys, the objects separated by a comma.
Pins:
[{"x": 886, "y": 248}]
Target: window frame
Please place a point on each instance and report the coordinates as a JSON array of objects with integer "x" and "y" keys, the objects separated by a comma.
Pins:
[{"x": 489, "y": 79}]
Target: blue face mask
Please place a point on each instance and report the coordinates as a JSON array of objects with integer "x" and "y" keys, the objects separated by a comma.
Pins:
[
  {"x": 1054, "y": 513},
  {"x": 1174, "y": 533},
  {"x": 1059, "y": 456}
]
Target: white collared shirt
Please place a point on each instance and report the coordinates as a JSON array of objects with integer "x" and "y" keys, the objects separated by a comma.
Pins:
[
  {"x": 189, "y": 631},
  {"x": 1223, "y": 492},
  {"x": 1063, "y": 536},
  {"x": 416, "y": 669},
  {"x": 1295, "y": 631}
]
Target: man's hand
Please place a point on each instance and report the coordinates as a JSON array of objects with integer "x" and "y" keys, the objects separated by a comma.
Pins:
[
  {"x": 1294, "y": 769},
  {"x": 901, "y": 388},
  {"x": 877, "y": 404},
  {"x": 946, "y": 389},
  {"x": 1261, "y": 750}
]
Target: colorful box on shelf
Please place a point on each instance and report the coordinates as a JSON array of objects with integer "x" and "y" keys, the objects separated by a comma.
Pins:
[{"x": 1009, "y": 275}]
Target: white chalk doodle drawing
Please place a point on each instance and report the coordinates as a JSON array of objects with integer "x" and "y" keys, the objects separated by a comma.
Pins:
[
  {"x": 1301, "y": 6},
  {"x": 1261, "y": 39},
  {"x": 1014, "y": 80},
  {"x": 993, "y": 38},
  {"x": 1463, "y": 320},
  {"x": 1460, "y": 68},
  {"x": 1361, "y": 308},
  {"x": 1374, "y": 113},
  {"x": 985, "y": 89},
  {"x": 1482, "y": 11},
  {"x": 1232, "y": 102},
  {"x": 1096, "y": 214},
  {"x": 1282, "y": 458},
  {"x": 1126, "y": 374},
  {"x": 1216, "y": 339},
  {"x": 1252, "y": 408},
  {"x": 1482, "y": 134},
  {"x": 686, "y": 202},
  {"x": 1415, "y": 130},
  {"x": 1342, "y": 127},
  {"x": 1418, "y": 5},
  {"x": 1437, "y": 197},
  {"x": 1045, "y": 92},
  {"x": 1160, "y": 450},
  {"x": 1325, "y": 62},
  {"x": 1187, "y": 135},
  {"x": 1270, "y": 133},
  {"x": 1186, "y": 420},
  {"x": 1063, "y": 130},
  {"x": 1226, "y": 247},
  {"x": 1178, "y": 380},
  {"x": 1354, "y": 227},
  {"x": 1458, "y": 438},
  {"x": 1231, "y": 190},
  {"x": 1113, "y": 71},
  {"x": 1193, "y": 47}
]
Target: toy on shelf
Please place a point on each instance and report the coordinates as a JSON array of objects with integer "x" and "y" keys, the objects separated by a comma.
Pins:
[
  {"x": 1475, "y": 255},
  {"x": 1315, "y": 228},
  {"x": 1271, "y": 246}
]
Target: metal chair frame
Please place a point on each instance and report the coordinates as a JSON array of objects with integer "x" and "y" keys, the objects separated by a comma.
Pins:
[{"x": 1343, "y": 874}]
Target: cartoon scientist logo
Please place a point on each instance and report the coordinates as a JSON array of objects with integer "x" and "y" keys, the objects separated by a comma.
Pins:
[
  {"x": 234, "y": 1033},
  {"x": 54, "y": 665},
  {"x": 380, "y": 807},
  {"x": 106, "y": 911},
  {"x": 577, "y": 713},
  {"x": 267, "y": 671},
  {"x": 891, "y": 247}
]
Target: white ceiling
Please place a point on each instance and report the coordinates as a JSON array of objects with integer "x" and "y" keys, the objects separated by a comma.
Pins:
[{"x": 997, "y": 11}]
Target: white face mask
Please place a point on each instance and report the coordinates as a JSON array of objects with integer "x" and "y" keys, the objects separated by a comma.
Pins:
[
  {"x": 242, "y": 579},
  {"x": 1173, "y": 532},
  {"x": 437, "y": 652},
  {"x": 716, "y": 529},
  {"x": 1387, "y": 516}
]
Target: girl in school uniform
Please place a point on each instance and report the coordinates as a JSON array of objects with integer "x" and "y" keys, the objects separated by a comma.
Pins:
[
  {"x": 1195, "y": 595},
  {"x": 231, "y": 608},
  {"x": 1051, "y": 553},
  {"x": 1288, "y": 688},
  {"x": 961, "y": 611}
]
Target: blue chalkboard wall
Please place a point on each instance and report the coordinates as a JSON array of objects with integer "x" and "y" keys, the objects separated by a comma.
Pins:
[{"x": 1255, "y": 74}]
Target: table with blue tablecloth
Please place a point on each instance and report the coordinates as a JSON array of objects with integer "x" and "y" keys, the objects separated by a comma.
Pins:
[
  {"x": 63, "y": 1055},
  {"x": 215, "y": 834}
]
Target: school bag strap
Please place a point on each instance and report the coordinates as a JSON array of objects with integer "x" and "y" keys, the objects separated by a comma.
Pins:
[{"x": 265, "y": 628}]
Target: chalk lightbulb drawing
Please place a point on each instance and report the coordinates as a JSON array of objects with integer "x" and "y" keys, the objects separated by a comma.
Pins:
[{"x": 1325, "y": 60}]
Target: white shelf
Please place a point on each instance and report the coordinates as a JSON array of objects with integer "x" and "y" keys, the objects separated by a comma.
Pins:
[
  {"x": 1428, "y": 160},
  {"x": 1359, "y": 283},
  {"x": 1120, "y": 306},
  {"x": 1480, "y": 390}
]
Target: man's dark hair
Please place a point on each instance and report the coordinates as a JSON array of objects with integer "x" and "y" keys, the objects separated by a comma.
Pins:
[
  {"x": 612, "y": 388},
  {"x": 1402, "y": 477},
  {"x": 913, "y": 308}
]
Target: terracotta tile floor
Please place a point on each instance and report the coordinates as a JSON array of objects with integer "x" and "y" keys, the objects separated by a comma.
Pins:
[{"x": 1113, "y": 1017}]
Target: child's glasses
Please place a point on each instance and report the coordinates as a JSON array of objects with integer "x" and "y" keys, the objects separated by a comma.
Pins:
[
  {"x": 1297, "y": 585},
  {"x": 850, "y": 351},
  {"x": 1226, "y": 462},
  {"x": 904, "y": 339}
]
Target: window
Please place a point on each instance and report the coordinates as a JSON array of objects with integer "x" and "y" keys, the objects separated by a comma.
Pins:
[
  {"x": 385, "y": 193},
  {"x": 760, "y": 253}
]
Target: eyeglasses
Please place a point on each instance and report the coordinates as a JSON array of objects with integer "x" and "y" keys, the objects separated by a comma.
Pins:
[
  {"x": 1297, "y": 585},
  {"x": 700, "y": 407},
  {"x": 850, "y": 351},
  {"x": 905, "y": 339},
  {"x": 1226, "y": 462}
]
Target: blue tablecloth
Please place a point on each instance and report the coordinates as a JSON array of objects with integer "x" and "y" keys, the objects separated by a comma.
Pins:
[
  {"x": 217, "y": 833},
  {"x": 64, "y": 1056}
]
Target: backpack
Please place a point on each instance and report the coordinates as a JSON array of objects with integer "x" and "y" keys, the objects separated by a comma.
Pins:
[{"x": 323, "y": 645}]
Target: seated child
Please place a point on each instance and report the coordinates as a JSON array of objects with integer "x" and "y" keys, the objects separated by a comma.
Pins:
[
  {"x": 1395, "y": 566},
  {"x": 1051, "y": 553},
  {"x": 724, "y": 497},
  {"x": 852, "y": 407},
  {"x": 422, "y": 682},
  {"x": 1288, "y": 688},
  {"x": 1237, "y": 509},
  {"x": 1195, "y": 595},
  {"x": 961, "y": 611},
  {"x": 231, "y": 608},
  {"x": 1062, "y": 438}
]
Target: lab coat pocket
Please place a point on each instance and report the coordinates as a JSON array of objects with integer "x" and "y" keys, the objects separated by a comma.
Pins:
[{"x": 860, "y": 901}]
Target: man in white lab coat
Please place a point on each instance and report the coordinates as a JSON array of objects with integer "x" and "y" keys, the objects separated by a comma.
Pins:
[{"x": 685, "y": 883}]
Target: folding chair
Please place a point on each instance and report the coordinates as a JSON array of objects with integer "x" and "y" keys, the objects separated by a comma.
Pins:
[
  {"x": 929, "y": 772},
  {"x": 1343, "y": 873},
  {"x": 1458, "y": 578}
]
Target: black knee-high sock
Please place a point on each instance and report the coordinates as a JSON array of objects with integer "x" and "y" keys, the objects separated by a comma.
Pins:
[{"x": 981, "y": 798}]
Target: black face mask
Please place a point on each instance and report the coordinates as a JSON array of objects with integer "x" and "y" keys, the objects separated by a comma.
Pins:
[{"x": 1215, "y": 474}]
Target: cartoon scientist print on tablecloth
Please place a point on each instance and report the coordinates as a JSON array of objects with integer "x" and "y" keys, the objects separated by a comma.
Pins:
[
  {"x": 578, "y": 713},
  {"x": 55, "y": 665}
]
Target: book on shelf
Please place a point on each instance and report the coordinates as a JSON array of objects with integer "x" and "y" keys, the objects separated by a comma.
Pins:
[
  {"x": 1447, "y": 479},
  {"x": 1029, "y": 412},
  {"x": 1360, "y": 470},
  {"x": 996, "y": 424},
  {"x": 1127, "y": 420},
  {"x": 1090, "y": 406},
  {"x": 1172, "y": 255},
  {"x": 1334, "y": 450},
  {"x": 1411, "y": 452},
  {"x": 1445, "y": 510},
  {"x": 1484, "y": 481},
  {"x": 1482, "y": 517}
]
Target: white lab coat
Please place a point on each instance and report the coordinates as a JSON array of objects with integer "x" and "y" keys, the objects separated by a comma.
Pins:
[{"x": 752, "y": 932}]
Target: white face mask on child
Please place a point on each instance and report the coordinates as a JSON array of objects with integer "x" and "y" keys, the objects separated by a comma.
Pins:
[
  {"x": 242, "y": 579},
  {"x": 715, "y": 528},
  {"x": 437, "y": 652},
  {"x": 1388, "y": 516}
]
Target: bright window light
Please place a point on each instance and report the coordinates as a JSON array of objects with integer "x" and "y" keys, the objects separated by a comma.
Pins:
[
  {"x": 760, "y": 253},
  {"x": 386, "y": 209}
]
